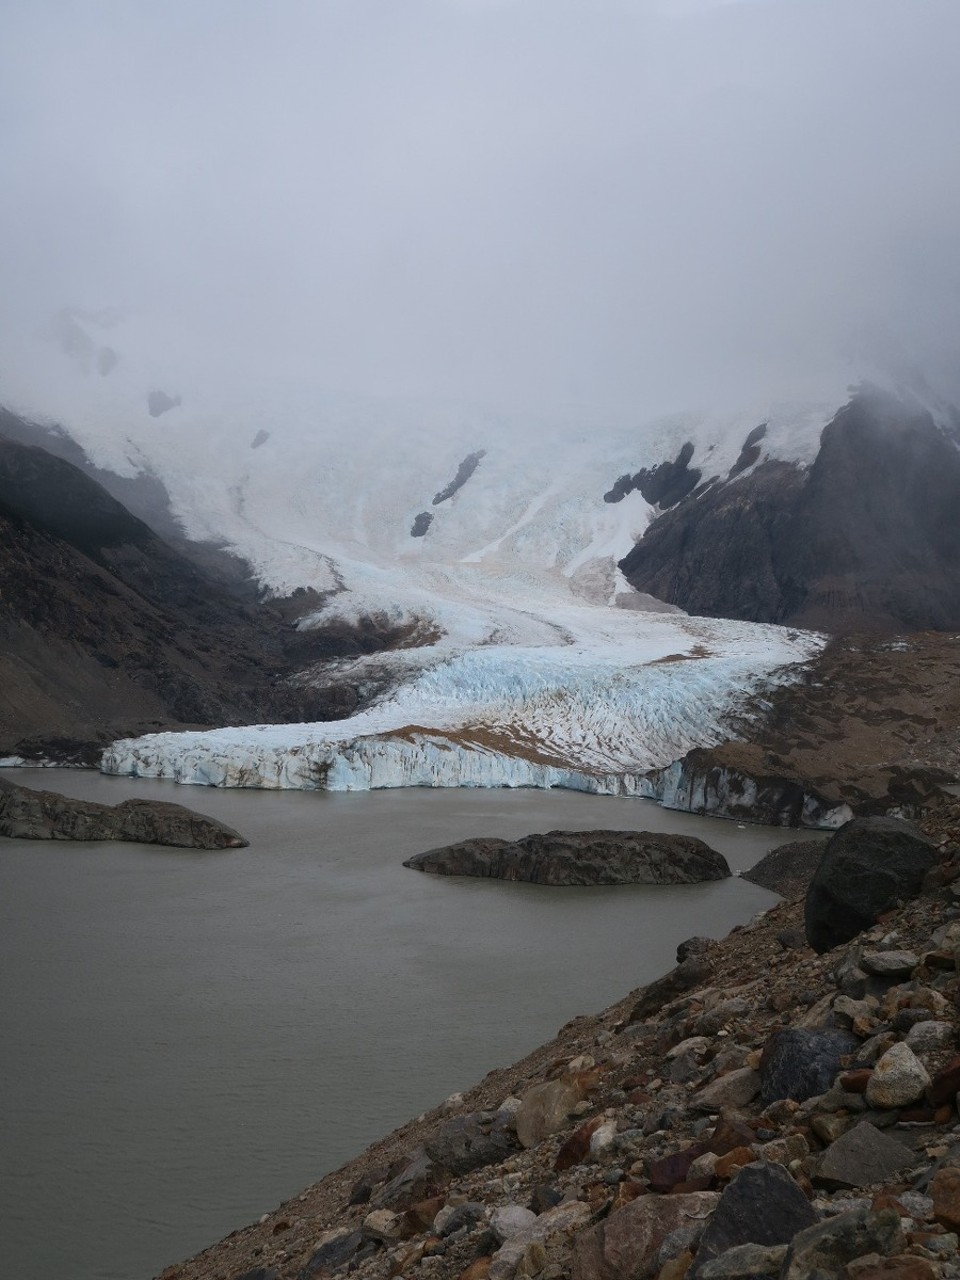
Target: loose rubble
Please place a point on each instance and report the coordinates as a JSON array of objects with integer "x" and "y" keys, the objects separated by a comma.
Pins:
[{"x": 761, "y": 1111}]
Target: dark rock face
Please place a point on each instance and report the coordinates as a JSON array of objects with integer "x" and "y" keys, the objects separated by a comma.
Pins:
[
  {"x": 662, "y": 486},
  {"x": 421, "y": 523},
  {"x": 762, "y": 1205},
  {"x": 789, "y": 868},
  {"x": 468, "y": 1142},
  {"x": 580, "y": 858},
  {"x": 800, "y": 1064},
  {"x": 749, "y": 452},
  {"x": 867, "y": 536},
  {"x": 868, "y": 866},
  {"x": 43, "y": 815},
  {"x": 465, "y": 470}
]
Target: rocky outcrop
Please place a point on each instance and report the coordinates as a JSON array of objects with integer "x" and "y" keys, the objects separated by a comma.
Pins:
[
  {"x": 26, "y": 814},
  {"x": 866, "y": 536},
  {"x": 465, "y": 470},
  {"x": 662, "y": 486},
  {"x": 703, "y": 783},
  {"x": 749, "y": 1123},
  {"x": 869, "y": 866},
  {"x": 789, "y": 868},
  {"x": 580, "y": 858}
]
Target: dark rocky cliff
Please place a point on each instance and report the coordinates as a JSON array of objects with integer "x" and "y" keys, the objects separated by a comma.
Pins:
[{"x": 868, "y": 536}]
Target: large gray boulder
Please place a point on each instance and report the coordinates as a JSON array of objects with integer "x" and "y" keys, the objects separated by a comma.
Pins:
[
  {"x": 44, "y": 815},
  {"x": 580, "y": 858},
  {"x": 868, "y": 866}
]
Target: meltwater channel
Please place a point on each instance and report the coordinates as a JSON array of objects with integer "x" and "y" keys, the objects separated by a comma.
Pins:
[{"x": 190, "y": 1038}]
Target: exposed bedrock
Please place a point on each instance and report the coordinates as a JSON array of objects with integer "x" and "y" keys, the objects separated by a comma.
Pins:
[
  {"x": 465, "y": 470},
  {"x": 789, "y": 868},
  {"x": 867, "y": 536},
  {"x": 868, "y": 867},
  {"x": 663, "y": 485},
  {"x": 703, "y": 782},
  {"x": 44, "y": 815},
  {"x": 580, "y": 858}
]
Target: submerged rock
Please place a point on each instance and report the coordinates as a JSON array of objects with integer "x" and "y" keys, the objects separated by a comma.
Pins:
[
  {"x": 580, "y": 858},
  {"x": 44, "y": 815}
]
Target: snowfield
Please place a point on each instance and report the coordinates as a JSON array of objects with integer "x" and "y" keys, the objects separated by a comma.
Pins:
[{"x": 544, "y": 667}]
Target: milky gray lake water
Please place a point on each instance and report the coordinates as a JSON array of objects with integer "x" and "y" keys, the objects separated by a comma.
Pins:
[{"x": 189, "y": 1038}]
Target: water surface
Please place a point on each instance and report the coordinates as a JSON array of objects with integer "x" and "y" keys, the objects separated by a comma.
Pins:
[{"x": 190, "y": 1038}]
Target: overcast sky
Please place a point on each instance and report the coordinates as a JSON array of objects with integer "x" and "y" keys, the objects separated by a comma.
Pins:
[{"x": 528, "y": 203}]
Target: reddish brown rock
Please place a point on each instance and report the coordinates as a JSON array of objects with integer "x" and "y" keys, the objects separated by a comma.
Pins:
[
  {"x": 624, "y": 1246},
  {"x": 577, "y": 1147},
  {"x": 856, "y": 1081},
  {"x": 945, "y": 1084},
  {"x": 736, "y": 1159},
  {"x": 728, "y": 1134},
  {"x": 478, "y": 1270},
  {"x": 419, "y": 1217},
  {"x": 945, "y": 1190},
  {"x": 664, "y": 1174}
]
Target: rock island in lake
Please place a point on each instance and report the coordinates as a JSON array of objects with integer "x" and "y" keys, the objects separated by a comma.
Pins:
[{"x": 580, "y": 858}]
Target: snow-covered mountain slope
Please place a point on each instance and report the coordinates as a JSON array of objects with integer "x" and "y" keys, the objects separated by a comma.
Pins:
[
  {"x": 544, "y": 666},
  {"x": 322, "y": 492}
]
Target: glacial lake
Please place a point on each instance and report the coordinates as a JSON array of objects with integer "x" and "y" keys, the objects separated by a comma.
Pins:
[{"x": 191, "y": 1038}]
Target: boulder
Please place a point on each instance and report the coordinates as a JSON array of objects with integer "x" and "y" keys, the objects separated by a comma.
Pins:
[
  {"x": 509, "y": 1220},
  {"x": 580, "y": 858},
  {"x": 560, "y": 1220},
  {"x": 825, "y": 1249},
  {"x": 863, "y": 1156},
  {"x": 898, "y": 1079},
  {"x": 26, "y": 814},
  {"x": 735, "y": 1089},
  {"x": 746, "y": 1262},
  {"x": 692, "y": 972},
  {"x": 868, "y": 866},
  {"x": 625, "y": 1245},
  {"x": 468, "y": 1143},
  {"x": 762, "y": 1205},
  {"x": 945, "y": 1190},
  {"x": 545, "y": 1107},
  {"x": 800, "y": 1064}
]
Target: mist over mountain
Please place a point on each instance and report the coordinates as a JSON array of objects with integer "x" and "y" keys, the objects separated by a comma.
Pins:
[{"x": 598, "y": 210}]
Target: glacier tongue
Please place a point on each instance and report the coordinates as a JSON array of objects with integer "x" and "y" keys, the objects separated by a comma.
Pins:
[{"x": 619, "y": 694}]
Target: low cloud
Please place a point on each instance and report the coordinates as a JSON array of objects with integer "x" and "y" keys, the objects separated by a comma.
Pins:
[{"x": 536, "y": 204}]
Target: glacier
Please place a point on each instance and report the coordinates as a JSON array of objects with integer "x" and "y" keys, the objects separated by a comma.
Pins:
[{"x": 584, "y": 713}]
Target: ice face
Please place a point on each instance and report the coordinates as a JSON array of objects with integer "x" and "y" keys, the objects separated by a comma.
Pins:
[{"x": 591, "y": 712}]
